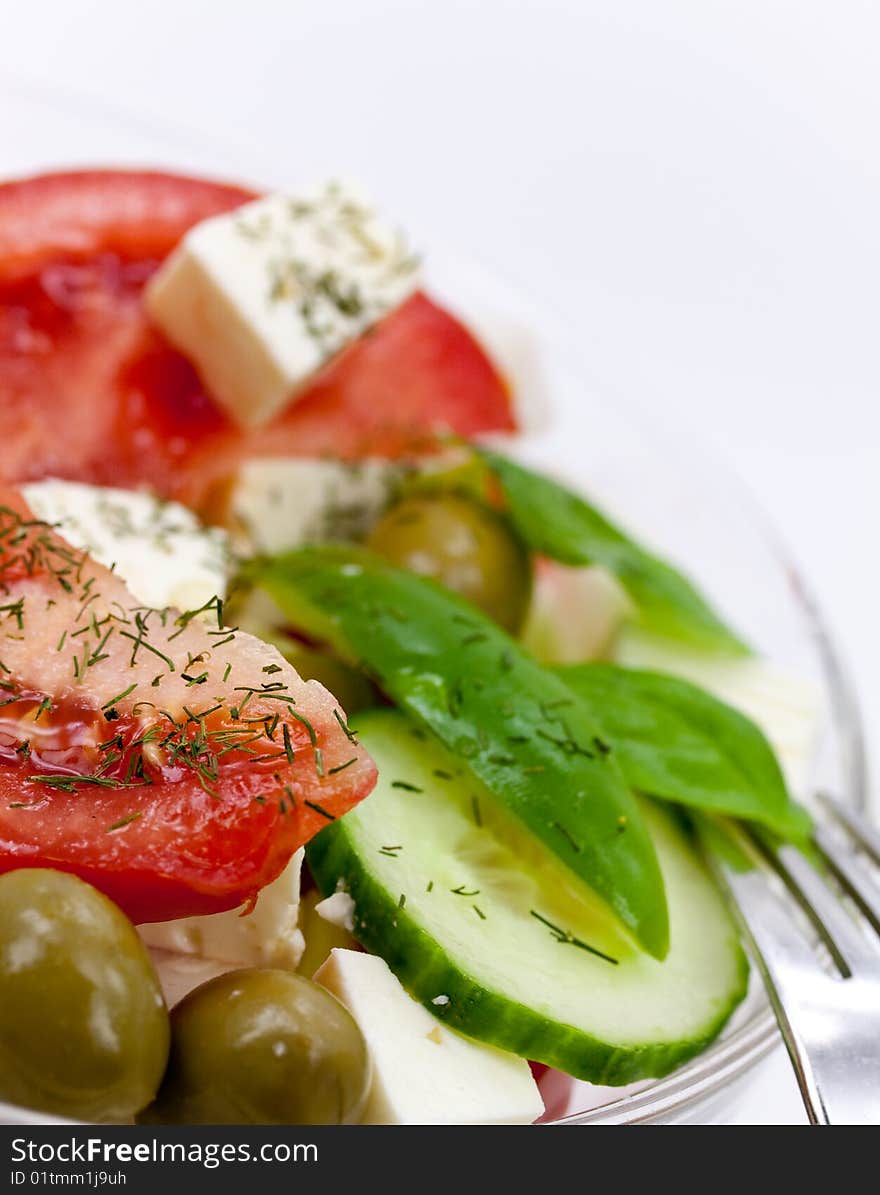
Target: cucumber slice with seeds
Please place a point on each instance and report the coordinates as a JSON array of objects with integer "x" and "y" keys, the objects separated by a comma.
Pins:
[{"x": 496, "y": 937}]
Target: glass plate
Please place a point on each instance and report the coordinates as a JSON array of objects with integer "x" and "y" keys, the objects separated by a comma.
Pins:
[{"x": 649, "y": 474}]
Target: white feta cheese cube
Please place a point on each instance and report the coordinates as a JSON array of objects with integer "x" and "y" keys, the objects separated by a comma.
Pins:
[
  {"x": 180, "y": 973},
  {"x": 321, "y": 935},
  {"x": 278, "y": 504},
  {"x": 266, "y": 937},
  {"x": 423, "y": 1072},
  {"x": 261, "y": 297},
  {"x": 338, "y": 910},
  {"x": 160, "y": 549}
]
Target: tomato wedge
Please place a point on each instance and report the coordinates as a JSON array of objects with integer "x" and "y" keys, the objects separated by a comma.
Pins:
[
  {"x": 174, "y": 764},
  {"x": 90, "y": 391}
]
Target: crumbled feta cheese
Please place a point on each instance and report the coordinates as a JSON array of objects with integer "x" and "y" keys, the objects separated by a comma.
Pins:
[
  {"x": 338, "y": 909},
  {"x": 179, "y": 974},
  {"x": 277, "y": 504},
  {"x": 266, "y": 937}
]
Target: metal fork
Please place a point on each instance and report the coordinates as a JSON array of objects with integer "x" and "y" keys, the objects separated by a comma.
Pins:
[{"x": 816, "y": 944}]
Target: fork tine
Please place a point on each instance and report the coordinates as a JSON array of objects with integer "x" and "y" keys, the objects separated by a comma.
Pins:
[
  {"x": 784, "y": 959},
  {"x": 769, "y": 927},
  {"x": 823, "y": 907},
  {"x": 852, "y": 874},
  {"x": 865, "y": 835}
]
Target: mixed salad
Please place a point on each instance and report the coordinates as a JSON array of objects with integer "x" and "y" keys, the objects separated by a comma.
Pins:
[{"x": 350, "y": 771}]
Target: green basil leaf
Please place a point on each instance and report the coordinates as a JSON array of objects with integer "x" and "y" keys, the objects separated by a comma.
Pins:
[
  {"x": 558, "y": 523},
  {"x": 515, "y": 725},
  {"x": 674, "y": 740}
]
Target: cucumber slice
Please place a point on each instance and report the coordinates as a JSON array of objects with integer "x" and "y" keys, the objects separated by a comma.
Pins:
[
  {"x": 518, "y": 728},
  {"x": 496, "y": 937}
]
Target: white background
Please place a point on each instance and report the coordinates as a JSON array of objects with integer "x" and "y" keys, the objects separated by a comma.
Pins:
[{"x": 694, "y": 184}]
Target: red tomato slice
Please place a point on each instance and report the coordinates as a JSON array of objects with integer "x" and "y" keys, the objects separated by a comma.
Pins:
[
  {"x": 79, "y": 215},
  {"x": 173, "y": 764},
  {"x": 90, "y": 391}
]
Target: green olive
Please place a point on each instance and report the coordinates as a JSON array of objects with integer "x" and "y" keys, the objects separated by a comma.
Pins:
[
  {"x": 463, "y": 545},
  {"x": 83, "y": 1027},
  {"x": 262, "y": 1047}
]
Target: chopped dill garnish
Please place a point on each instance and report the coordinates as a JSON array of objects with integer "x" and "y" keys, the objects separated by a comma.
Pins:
[
  {"x": 572, "y": 841},
  {"x": 568, "y": 939},
  {"x": 318, "y": 809},
  {"x": 119, "y": 696},
  {"x": 340, "y": 767},
  {"x": 124, "y": 821},
  {"x": 346, "y": 729},
  {"x": 288, "y": 746},
  {"x": 140, "y": 641}
]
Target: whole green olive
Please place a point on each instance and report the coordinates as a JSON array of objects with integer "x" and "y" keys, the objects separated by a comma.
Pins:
[
  {"x": 83, "y": 1026},
  {"x": 462, "y": 545},
  {"x": 262, "y": 1047}
]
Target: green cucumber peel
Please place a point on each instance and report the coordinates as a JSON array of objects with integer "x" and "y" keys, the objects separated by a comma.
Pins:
[
  {"x": 558, "y": 523},
  {"x": 516, "y": 726},
  {"x": 486, "y": 929},
  {"x": 676, "y": 741}
]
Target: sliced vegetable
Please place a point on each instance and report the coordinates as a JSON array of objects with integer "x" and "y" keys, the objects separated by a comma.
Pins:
[
  {"x": 575, "y": 614},
  {"x": 464, "y": 546},
  {"x": 786, "y": 706},
  {"x": 83, "y": 1027},
  {"x": 560, "y": 524},
  {"x": 515, "y": 725},
  {"x": 674, "y": 740},
  {"x": 491, "y": 933},
  {"x": 92, "y": 392},
  {"x": 174, "y": 764},
  {"x": 262, "y": 1047}
]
